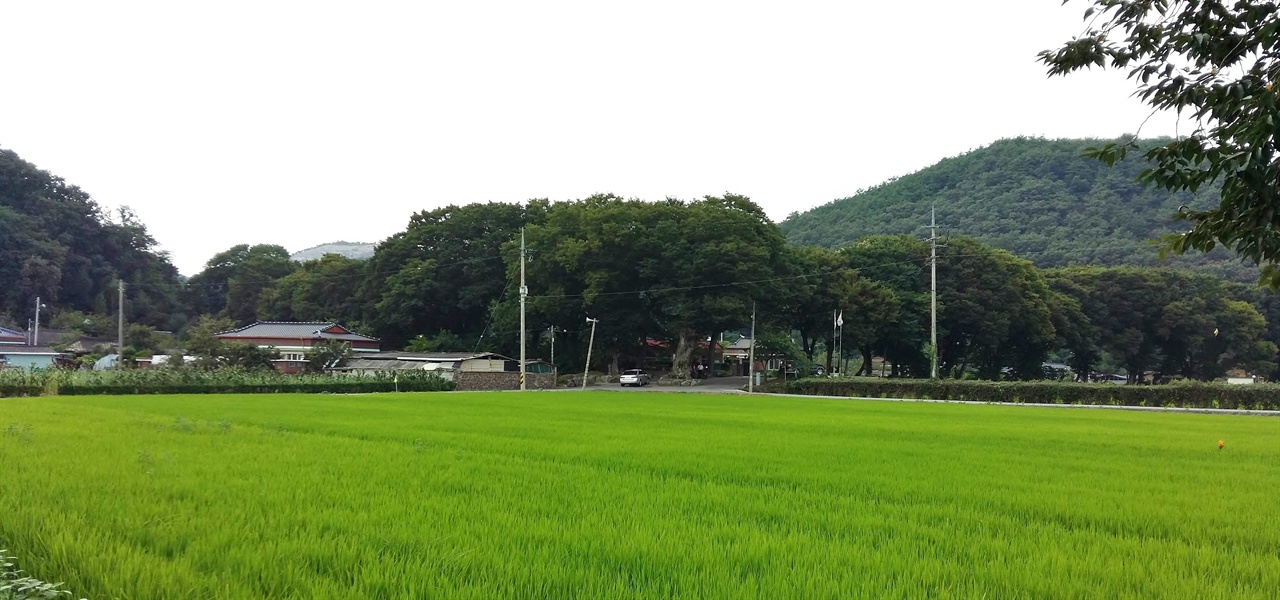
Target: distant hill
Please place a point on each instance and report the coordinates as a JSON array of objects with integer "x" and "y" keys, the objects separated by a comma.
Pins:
[
  {"x": 1037, "y": 198},
  {"x": 348, "y": 249}
]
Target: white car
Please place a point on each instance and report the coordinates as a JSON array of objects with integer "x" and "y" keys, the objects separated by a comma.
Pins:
[{"x": 634, "y": 377}]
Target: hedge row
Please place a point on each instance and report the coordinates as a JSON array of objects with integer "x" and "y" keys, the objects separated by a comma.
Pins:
[
  {"x": 9, "y": 391},
  {"x": 1179, "y": 395},
  {"x": 35, "y": 382},
  {"x": 331, "y": 387}
]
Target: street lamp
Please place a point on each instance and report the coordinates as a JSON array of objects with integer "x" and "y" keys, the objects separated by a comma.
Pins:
[
  {"x": 35, "y": 339},
  {"x": 586, "y": 369}
]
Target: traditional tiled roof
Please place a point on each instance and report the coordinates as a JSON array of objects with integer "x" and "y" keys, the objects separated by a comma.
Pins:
[
  {"x": 433, "y": 356},
  {"x": 86, "y": 345},
  {"x": 28, "y": 350},
  {"x": 413, "y": 360},
  {"x": 296, "y": 330},
  {"x": 10, "y": 336}
]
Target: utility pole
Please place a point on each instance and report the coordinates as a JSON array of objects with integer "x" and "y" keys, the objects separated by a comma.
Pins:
[
  {"x": 831, "y": 352},
  {"x": 933, "y": 290},
  {"x": 587, "y": 368},
  {"x": 751, "y": 353},
  {"x": 120, "y": 329},
  {"x": 553, "y": 347},
  {"x": 35, "y": 339},
  {"x": 840, "y": 346},
  {"x": 524, "y": 293}
]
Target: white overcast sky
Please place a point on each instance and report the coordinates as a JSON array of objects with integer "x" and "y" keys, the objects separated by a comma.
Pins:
[{"x": 300, "y": 123}]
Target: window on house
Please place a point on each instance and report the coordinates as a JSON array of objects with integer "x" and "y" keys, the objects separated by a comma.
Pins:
[{"x": 294, "y": 356}]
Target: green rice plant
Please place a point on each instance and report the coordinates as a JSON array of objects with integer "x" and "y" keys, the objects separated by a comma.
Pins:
[{"x": 623, "y": 495}]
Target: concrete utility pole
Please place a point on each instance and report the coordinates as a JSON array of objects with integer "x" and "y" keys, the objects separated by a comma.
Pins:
[
  {"x": 524, "y": 293},
  {"x": 831, "y": 352},
  {"x": 553, "y": 347},
  {"x": 35, "y": 332},
  {"x": 587, "y": 368},
  {"x": 840, "y": 345},
  {"x": 120, "y": 329},
  {"x": 933, "y": 290},
  {"x": 751, "y": 353}
]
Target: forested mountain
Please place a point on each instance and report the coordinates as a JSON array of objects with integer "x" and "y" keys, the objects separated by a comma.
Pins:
[
  {"x": 57, "y": 244},
  {"x": 1037, "y": 198}
]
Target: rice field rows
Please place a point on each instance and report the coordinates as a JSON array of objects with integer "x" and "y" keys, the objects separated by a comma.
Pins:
[{"x": 610, "y": 495}]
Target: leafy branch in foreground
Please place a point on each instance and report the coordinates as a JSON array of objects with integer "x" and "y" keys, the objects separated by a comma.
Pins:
[
  {"x": 1217, "y": 63},
  {"x": 15, "y": 585}
]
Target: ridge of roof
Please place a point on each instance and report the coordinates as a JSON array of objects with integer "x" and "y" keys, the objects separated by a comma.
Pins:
[{"x": 293, "y": 328}]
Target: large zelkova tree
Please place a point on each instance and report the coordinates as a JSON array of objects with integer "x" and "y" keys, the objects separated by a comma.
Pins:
[
  {"x": 993, "y": 312},
  {"x": 873, "y": 310},
  {"x": 672, "y": 272},
  {"x": 815, "y": 284},
  {"x": 587, "y": 261},
  {"x": 443, "y": 272},
  {"x": 1125, "y": 307},
  {"x": 320, "y": 290},
  {"x": 720, "y": 257},
  {"x": 896, "y": 326},
  {"x": 234, "y": 280},
  {"x": 1217, "y": 64},
  {"x": 1167, "y": 322},
  {"x": 1267, "y": 304}
]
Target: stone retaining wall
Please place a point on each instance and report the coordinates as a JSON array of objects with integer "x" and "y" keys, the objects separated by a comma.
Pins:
[{"x": 507, "y": 380}]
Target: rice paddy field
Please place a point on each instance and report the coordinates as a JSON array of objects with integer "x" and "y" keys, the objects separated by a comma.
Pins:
[{"x": 633, "y": 495}]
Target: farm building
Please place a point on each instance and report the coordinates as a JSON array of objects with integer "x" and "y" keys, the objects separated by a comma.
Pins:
[
  {"x": 39, "y": 357},
  {"x": 468, "y": 370}
]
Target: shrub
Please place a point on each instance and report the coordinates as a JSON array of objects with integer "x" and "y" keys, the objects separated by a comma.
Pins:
[
  {"x": 195, "y": 381},
  {"x": 1180, "y": 394}
]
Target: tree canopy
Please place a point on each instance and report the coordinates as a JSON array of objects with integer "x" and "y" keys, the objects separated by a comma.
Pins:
[
  {"x": 1216, "y": 63},
  {"x": 57, "y": 243}
]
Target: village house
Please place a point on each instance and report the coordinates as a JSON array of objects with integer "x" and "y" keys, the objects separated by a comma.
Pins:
[
  {"x": 296, "y": 340},
  {"x": 17, "y": 353}
]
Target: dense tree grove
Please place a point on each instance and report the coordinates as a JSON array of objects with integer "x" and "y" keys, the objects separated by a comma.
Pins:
[
  {"x": 57, "y": 244},
  {"x": 664, "y": 279}
]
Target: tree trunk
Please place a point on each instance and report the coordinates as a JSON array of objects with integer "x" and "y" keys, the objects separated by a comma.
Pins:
[
  {"x": 865, "y": 369},
  {"x": 682, "y": 362}
]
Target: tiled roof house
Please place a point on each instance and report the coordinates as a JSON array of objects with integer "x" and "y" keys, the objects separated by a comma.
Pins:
[{"x": 294, "y": 340}]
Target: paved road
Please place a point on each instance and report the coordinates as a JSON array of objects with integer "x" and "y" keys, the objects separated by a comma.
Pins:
[{"x": 719, "y": 385}]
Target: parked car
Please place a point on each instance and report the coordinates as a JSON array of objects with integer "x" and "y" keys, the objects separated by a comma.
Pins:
[
  {"x": 636, "y": 377},
  {"x": 791, "y": 370}
]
